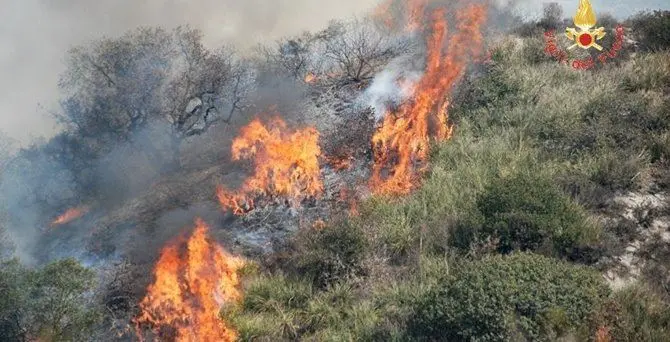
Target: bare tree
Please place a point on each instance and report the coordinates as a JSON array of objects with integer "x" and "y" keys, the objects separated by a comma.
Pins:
[
  {"x": 357, "y": 50},
  {"x": 291, "y": 56},
  {"x": 111, "y": 85}
]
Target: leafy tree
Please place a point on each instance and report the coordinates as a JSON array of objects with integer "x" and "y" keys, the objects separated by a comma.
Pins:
[
  {"x": 652, "y": 29},
  {"x": 13, "y": 296},
  {"x": 59, "y": 302},
  {"x": 50, "y": 303},
  {"x": 516, "y": 297}
]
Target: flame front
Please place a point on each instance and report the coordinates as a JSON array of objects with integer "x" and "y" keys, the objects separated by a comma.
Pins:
[
  {"x": 69, "y": 216},
  {"x": 402, "y": 142},
  {"x": 192, "y": 280},
  {"x": 286, "y": 164},
  {"x": 585, "y": 17}
]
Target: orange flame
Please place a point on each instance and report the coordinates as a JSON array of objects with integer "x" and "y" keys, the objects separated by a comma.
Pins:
[
  {"x": 286, "y": 164},
  {"x": 402, "y": 142},
  {"x": 348, "y": 196},
  {"x": 193, "y": 279},
  {"x": 310, "y": 78},
  {"x": 69, "y": 216}
]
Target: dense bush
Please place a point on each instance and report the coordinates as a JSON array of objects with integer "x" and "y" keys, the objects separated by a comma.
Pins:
[
  {"x": 51, "y": 303},
  {"x": 652, "y": 29},
  {"x": 516, "y": 297},
  {"x": 526, "y": 212},
  {"x": 326, "y": 255}
]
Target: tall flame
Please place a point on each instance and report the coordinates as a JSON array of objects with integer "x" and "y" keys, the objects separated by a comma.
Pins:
[
  {"x": 193, "y": 279},
  {"x": 585, "y": 17},
  {"x": 402, "y": 141},
  {"x": 286, "y": 164}
]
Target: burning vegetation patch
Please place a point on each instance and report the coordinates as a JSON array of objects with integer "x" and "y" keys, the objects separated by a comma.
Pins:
[
  {"x": 194, "y": 277},
  {"x": 286, "y": 164},
  {"x": 402, "y": 142},
  {"x": 69, "y": 215}
]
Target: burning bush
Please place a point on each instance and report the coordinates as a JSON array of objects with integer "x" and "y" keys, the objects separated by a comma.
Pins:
[
  {"x": 401, "y": 144},
  {"x": 193, "y": 278},
  {"x": 286, "y": 164}
]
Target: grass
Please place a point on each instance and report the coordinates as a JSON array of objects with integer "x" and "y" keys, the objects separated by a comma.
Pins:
[{"x": 575, "y": 138}]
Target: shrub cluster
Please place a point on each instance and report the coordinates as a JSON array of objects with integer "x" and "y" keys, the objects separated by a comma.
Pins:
[{"x": 516, "y": 297}]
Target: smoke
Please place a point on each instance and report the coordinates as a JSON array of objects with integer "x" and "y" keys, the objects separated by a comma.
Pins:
[
  {"x": 391, "y": 86},
  {"x": 36, "y": 35}
]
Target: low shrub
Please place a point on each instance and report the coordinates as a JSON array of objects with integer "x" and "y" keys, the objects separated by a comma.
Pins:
[
  {"x": 327, "y": 255},
  {"x": 516, "y": 297},
  {"x": 643, "y": 315},
  {"x": 527, "y": 212}
]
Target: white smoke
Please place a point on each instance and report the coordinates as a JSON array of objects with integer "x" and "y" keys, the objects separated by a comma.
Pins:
[{"x": 391, "y": 86}]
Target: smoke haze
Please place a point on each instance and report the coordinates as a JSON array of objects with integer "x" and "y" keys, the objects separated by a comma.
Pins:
[{"x": 36, "y": 35}]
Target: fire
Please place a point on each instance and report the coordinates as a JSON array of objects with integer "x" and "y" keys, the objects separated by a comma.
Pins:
[
  {"x": 402, "y": 142},
  {"x": 193, "y": 278},
  {"x": 286, "y": 164},
  {"x": 69, "y": 215},
  {"x": 585, "y": 17},
  {"x": 348, "y": 196},
  {"x": 310, "y": 78}
]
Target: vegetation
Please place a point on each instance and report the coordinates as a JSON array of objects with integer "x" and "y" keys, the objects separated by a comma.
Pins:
[
  {"x": 537, "y": 155},
  {"x": 506, "y": 238},
  {"x": 49, "y": 303},
  {"x": 497, "y": 299}
]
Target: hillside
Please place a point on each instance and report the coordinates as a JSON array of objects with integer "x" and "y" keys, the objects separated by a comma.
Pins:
[{"x": 420, "y": 174}]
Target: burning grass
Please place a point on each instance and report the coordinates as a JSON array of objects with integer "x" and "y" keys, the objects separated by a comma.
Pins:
[
  {"x": 286, "y": 164},
  {"x": 402, "y": 143},
  {"x": 194, "y": 277}
]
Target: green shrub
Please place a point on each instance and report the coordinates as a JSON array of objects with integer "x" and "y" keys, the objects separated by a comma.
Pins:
[
  {"x": 502, "y": 298},
  {"x": 533, "y": 51},
  {"x": 528, "y": 212},
  {"x": 49, "y": 303},
  {"x": 327, "y": 255},
  {"x": 620, "y": 170},
  {"x": 652, "y": 29}
]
